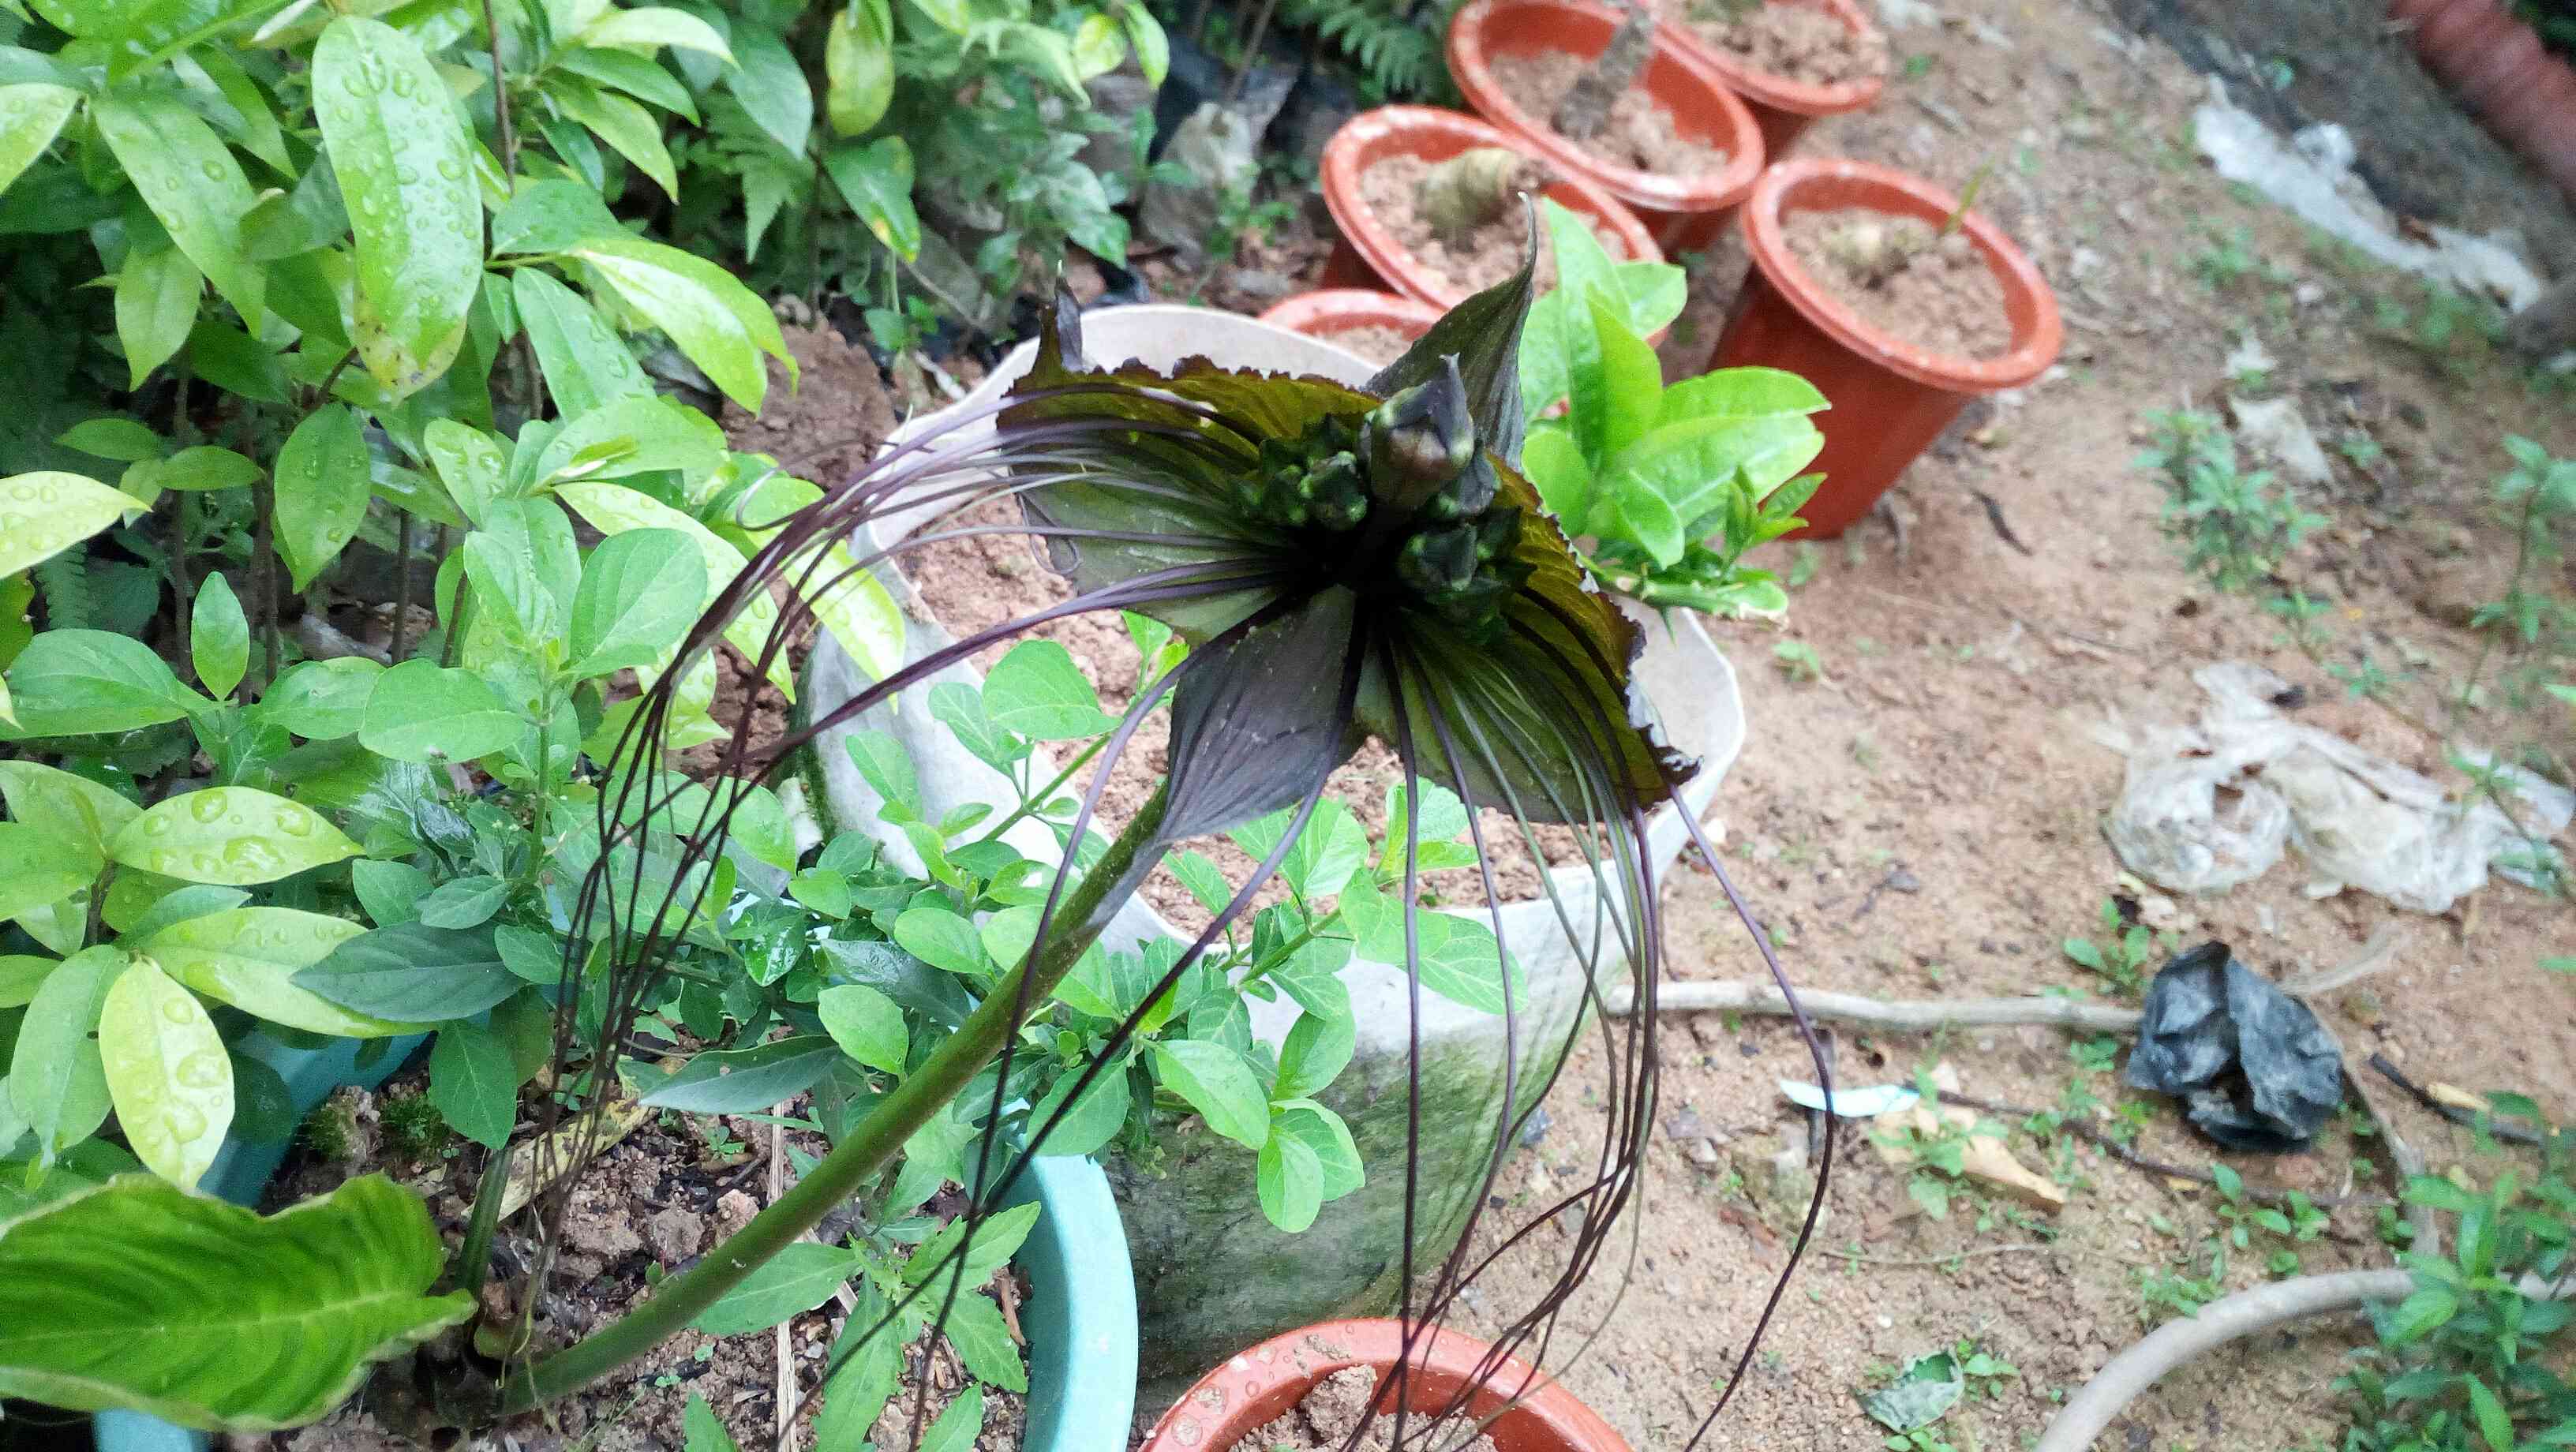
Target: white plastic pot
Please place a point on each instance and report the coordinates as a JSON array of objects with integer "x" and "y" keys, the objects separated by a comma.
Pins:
[{"x": 1211, "y": 1273}]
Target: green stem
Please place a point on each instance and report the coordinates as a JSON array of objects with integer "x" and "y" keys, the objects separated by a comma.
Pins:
[
  {"x": 1030, "y": 802},
  {"x": 474, "y": 1258},
  {"x": 1080, "y": 918}
]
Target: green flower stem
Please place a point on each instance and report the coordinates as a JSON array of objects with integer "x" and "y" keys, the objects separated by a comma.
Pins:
[
  {"x": 1081, "y": 917},
  {"x": 1038, "y": 798}
]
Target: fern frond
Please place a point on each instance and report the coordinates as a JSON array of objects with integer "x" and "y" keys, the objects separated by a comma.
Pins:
[{"x": 64, "y": 581}]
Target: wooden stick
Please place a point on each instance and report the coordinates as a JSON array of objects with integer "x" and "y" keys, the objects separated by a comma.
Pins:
[{"x": 1932, "y": 1013}]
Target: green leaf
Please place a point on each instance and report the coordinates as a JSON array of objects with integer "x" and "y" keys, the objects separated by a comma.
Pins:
[
  {"x": 2421, "y": 1314},
  {"x": 20, "y": 974},
  {"x": 31, "y": 113},
  {"x": 795, "y": 1280},
  {"x": 615, "y": 509},
  {"x": 740, "y": 1081},
  {"x": 248, "y": 957},
  {"x": 420, "y": 712},
  {"x": 156, "y": 308},
  {"x": 218, "y": 636},
  {"x": 2495, "y": 1424},
  {"x": 166, "y": 1073},
  {"x": 474, "y": 1083},
  {"x": 505, "y": 582},
  {"x": 886, "y": 767},
  {"x": 412, "y": 973},
  {"x": 1095, "y": 1119},
  {"x": 114, "y": 436},
  {"x": 997, "y": 1239},
  {"x": 876, "y": 180},
  {"x": 192, "y": 184},
  {"x": 628, "y": 436},
  {"x": 70, "y": 809},
  {"x": 982, "y": 1341},
  {"x": 721, "y": 325},
  {"x": 399, "y": 150},
  {"x": 858, "y": 66},
  {"x": 584, "y": 362},
  {"x": 1314, "y": 1053},
  {"x": 1617, "y": 384},
  {"x": 179, "y": 905},
  {"x": 771, "y": 86},
  {"x": 1563, "y": 476},
  {"x": 1037, "y": 691},
  {"x": 56, "y": 1078},
  {"x": 465, "y": 902},
  {"x": 1739, "y": 394},
  {"x": 701, "y": 1430},
  {"x": 236, "y": 836},
  {"x": 322, "y": 490},
  {"x": 957, "y": 1426},
  {"x": 84, "y": 682},
  {"x": 626, "y": 126},
  {"x": 204, "y": 467},
  {"x": 639, "y": 594},
  {"x": 117, "y": 1298},
  {"x": 870, "y": 1358},
  {"x": 941, "y": 939},
  {"x": 1332, "y": 847},
  {"x": 865, "y": 1023},
  {"x": 1216, "y": 1082},
  {"x": 1291, "y": 1183},
  {"x": 1322, "y": 1131},
  {"x": 46, "y": 512},
  {"x": 648, "y": 28},
  {"x": 322, "y": 700},
  {"x": 1145, "y": 34},
  {"x": 390, "y": 892},
  {"x": 551, "y": 215}
]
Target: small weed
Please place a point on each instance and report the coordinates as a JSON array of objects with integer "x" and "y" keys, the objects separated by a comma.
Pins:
[
  {"x": 1919, "y": 65},
  {"x": 2297, "y": 1221},
  {"x": 1799, "y": 661},
  {"x": 2235, "y": 527},
  {"x": 1940, "y": 1155},
  {"x": 413, "y": 1127},
  {"x": 2125, "y": 953},
  {"x": 1803, "y": 564},
  {"x": 2230, "y": 258}
]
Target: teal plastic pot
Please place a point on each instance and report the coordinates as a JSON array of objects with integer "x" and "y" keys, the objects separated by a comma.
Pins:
[{"x": 1080, "y": 1315}]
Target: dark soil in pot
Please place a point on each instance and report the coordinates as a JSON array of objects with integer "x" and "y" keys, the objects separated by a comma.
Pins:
[
  {"x": 1392, "y": 189},
  {"x": 1901, "y": 277},
  {"x": 650, "y": 1206},
  {"x": 1640, "y": 134},
  {"x": 1784, "y": 38},
  {"x": 973, "y": 583},
  {"x": 1325, "y": 1420}
]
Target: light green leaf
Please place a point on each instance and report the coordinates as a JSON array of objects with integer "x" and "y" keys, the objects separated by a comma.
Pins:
[
  {"x": 865, "y": 1023},
  {"x": 505, "y": 581},
  {"x": 858, "y": 66},
  {"x": 639, "y": 593},
  {"x": 1693, "y": 466},
  {"x": 648, "y": 28},
  {"x": 772, "y": 87},
  {"x": 1145, "y": 33},
  {"x": 399, "y": 150},
  {"x": 204, "y": 467},
  {"x": 166, "y": 1073},
  {"x": 795, "y": 1280},
  {"x": 1313, "y": 1055},
  {"x": 321, "y": 700},
  {"x": 322, "y": 490},
  {"x": 1617, "y": 387},
  {"x": 470, "y": 463},
  {"x": 982, "y": 1341},
  {"x": 638, "y": 435},
  {"x": 1564, "y": 478},
  {"x": 1098, "y": 48},
  {"x": 1219, "y": 1084},
  {"x": 551, "y": 215},
  {"x": 191, "y": 182},
  {"x": 876, "y": 180},
  {"x": 721, "y": 325},
  {"x": 870, "y": 1362},
  {"x": 156, "y": 308},
  {"x": 886, "y": 767},
  {"x": 702, "y": 1431},
  {"x": 1739, "y": 394},
  {"x": 614, "y": 509},
  {"x": 474, "y": 1083},
  {"x": 196, "y": 900},
  {"x": 20, "y": 974},
  {"x": 1322, "y": 1131},
  {"x": 2495, "y": 1424},
  {"x": 857, "y": 610},
  {"x": 1037, "y": 691},
  {"x": 463, "y": 902},
  {"x": 584, "y": 362},
  {"x": 420, "y": 712},
  {"x": 234, "y": 836},
  {"x": 941, "y": 939},
  {"x": 1639, "y": 513},
  {"x": 957, "y": 1426},
  {"x": 46, "y": 512},
  {"x": 30, "y": 115},
  {"x": 114, "y": 1298},
  {"x": 80, "y": 682},
  {"x": 997, "y": 1239},
  {"x": 55, "y": 1075},
  {"x": 114, "y": 436},
  {"x": 1291, "y": 1183},
  {"x": 1095, "y": 1119},
  {"x": 218, "y": 636},
  {"x": 625, "y": 125},
  {"x": 2422, "y": 1313},
  {"x": 246, "y": 957}
]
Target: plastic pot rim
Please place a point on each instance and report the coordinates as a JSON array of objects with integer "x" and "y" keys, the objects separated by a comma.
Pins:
[{"x": 1781, "y": 93}]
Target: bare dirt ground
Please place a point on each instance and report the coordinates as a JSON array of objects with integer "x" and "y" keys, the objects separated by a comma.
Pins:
[{"x": 1923, "y": 820}]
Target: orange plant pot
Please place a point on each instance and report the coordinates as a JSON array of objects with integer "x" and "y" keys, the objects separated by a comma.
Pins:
[
  {"x": 1336, "y": 310},
  {"x": 1370, "y": 250},
  {"x": 1237, "y": 1399},
  {"x": 1685, "y": 213},
  {"x": 1781, "y": 106},
  {"x": 1890, "y": 398}
]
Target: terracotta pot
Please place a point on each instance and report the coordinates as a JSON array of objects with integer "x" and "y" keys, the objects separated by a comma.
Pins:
[
  {"x": 2414, "y": 12},
  {"x": 2507, "y": 68},
  {"x": 2454, "y": 41},
  {"x": 1372, "y": 252},
  {"x": 1890, "y": 398},
  {"x": 1235, "y": 1400},
  {"x": 2501, "y": 69},
  {"x": 1783, "y": 107},
  {"x": 1327, "y": 314},
  {"x": 1685, "y": 213}
]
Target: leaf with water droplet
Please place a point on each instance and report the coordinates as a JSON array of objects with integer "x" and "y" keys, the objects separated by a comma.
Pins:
[
  {"x": 236, "y": 836},
  {"x": 322, "y": 490},
  {"x": 30, "y": 114},
  {"x": 191, "y": 182},
  {"x": 54, "y": 1074},
  {"x": 400, "y": 151},
  {"x": 81, "y": 682},
  {"x": 615, "y": 509},
  {"x": 166, "y": 1073},
  {"x": 46, "y": 512},
  {"x": 247, "y": 956},
  {"x": 720, "y": 324},
  {"x": 218, "y": 636}
]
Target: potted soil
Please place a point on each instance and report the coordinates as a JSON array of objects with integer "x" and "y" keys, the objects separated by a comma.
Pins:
[
  {"x": 1424, "y": 200},
  {"x": 1614, "y": 101},
  {"x": 1310, "y": 1388},
  {"x": 1080, "y": 1311},
  {"x": 1793, "y": 61},
  {"x": 1214, "y": 1270},
  {"x": 1896, "y": 302},
  {"x": 1378, "y": 326}
]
